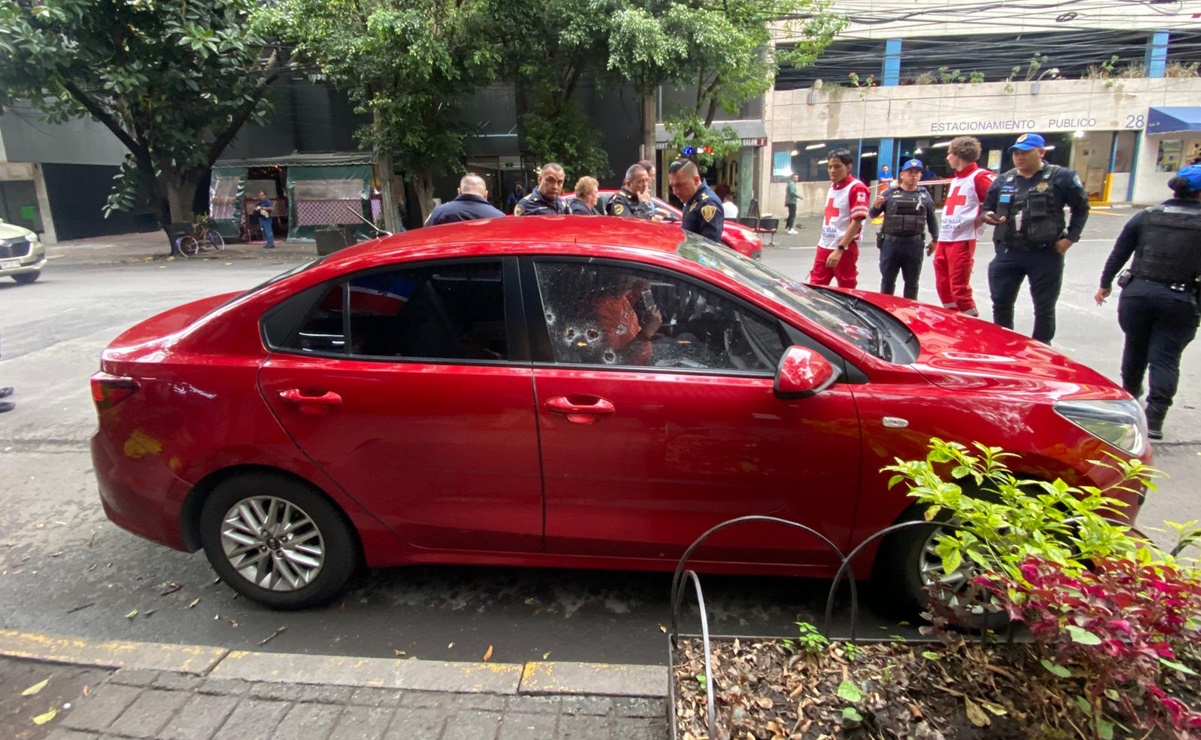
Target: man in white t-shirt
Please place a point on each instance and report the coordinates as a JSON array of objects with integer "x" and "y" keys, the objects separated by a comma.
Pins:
[
  {"x": 962, "y": 224},
  {"x": 728, "y": 208},
  {"x": 846, "y": 208}
]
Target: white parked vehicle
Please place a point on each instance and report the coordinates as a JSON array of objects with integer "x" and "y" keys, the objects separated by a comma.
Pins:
[{"x": 22, "y": 255}]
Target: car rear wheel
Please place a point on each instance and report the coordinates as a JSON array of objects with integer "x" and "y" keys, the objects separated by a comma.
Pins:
[
  {"x": 908, "y": 572},
  {"x": 26, "y": 278},
  {"x": 277, "y": 541}
]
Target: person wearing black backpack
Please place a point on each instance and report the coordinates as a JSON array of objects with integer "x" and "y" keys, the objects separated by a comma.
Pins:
[{"x": 1032, "y": 236}]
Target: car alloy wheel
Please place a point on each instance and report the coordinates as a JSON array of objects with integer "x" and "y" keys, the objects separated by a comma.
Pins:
[
  {"x": 278, "y": 540},
  {"x": 272, "y": 543}
]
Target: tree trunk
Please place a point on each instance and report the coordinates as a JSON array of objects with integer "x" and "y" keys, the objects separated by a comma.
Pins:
[
  {"x": 648, "y": 126},
  {"x": 180, "y": 193},
  {"x": 423, "y": 186},
  {"x": 383, "y": 173}
]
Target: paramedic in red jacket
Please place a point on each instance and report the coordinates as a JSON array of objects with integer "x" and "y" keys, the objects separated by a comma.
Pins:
[
  {"x": 962, "y": 224},
  {"x": 846, "y": 208}
]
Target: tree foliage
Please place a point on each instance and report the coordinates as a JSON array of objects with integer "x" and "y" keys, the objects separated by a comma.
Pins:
[
  {"x": 726, "y": 52},
  {"x": 174, "y": 82},
  {"x": 547, "y": 48},
  {"x": 409, "y": 63}
]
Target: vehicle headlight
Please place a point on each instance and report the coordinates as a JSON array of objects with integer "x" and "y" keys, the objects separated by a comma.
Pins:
[
  {"x": 33, "y": 238},
  {"x": 1120, "y": 423}
]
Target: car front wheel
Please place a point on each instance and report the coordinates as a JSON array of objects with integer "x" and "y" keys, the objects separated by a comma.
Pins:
[
  {"x": 908, "y": 572},
  {"x": 26, "y": 278},
  {"x": 277, "y": 541}
]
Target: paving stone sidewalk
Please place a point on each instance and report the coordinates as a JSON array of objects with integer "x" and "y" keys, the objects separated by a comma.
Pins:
[{"x": 136, "y": 703}]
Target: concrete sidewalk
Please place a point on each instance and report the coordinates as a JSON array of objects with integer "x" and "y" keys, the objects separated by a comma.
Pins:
[
  {"x": 152, "y": 246},
  {"x": 189, "y": 692}
]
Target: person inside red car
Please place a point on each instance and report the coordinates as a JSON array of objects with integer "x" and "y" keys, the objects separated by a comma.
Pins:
[{"x": 626, "y": 339}]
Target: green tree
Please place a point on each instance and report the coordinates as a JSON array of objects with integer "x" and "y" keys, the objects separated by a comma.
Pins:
[
  {"x": 408, "y": 63},
  {"x": 174, "y": 82},
  {"x": 548, "y": 47},
  {"x": 726, "y": 53}
]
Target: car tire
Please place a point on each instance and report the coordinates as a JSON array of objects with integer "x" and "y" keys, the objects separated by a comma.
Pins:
[
  {"x": 26, "y": 278},
  {"x": 904, "y": 564},
  {"x": 298, "y": 527}
]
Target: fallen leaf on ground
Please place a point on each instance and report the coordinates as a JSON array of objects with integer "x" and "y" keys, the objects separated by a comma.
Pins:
[
  {"x": 35, "y": 688},
  {"x": 488, "y": 653},
  {"x": 273, "y": 635},
  {"x": 662, "y": 629},
  {"x": 233, "y": 622},
  {"x": 42, "y": 719},
  {"x": 87, "y": 691},
  {"x": 398, "y": 653},
  {"x": 194, "y": 603},
  {"x": 132, "y": 614},
  {"x": 448, "y": 647},
  {"x": 975, "y": 714},
  {"x": 545, "y": 655},
  {"x": 171, "y": 588}
]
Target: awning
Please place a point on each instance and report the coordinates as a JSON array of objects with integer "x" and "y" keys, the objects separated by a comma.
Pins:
[
  {"x": 752, "y": 132},
  {"x": 325, "y": 159},
  {"x": 1174, "y": 120}
]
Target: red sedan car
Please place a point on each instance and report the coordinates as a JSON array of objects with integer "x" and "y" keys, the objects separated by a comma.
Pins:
[
  {"x": 538, "y": 392},
  {"x": 734, "y": 235}
]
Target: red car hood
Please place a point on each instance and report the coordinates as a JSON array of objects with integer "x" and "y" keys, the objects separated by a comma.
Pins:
[{"x": 966, "y": 353}]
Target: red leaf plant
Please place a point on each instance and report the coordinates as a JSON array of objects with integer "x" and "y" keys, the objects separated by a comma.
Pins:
[{"x": 1113, "y": 626}]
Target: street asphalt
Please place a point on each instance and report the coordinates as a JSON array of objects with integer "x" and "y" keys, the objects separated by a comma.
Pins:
[{"x": 65, "y": 570}]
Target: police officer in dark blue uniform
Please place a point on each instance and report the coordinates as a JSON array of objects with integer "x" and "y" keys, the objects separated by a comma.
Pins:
[
  {"x": 1158, "y": 309},
  {"x": 627, "y": 202},
  {"x": 1026, "y": 205},
  {"x": 908, "y": 210},
  {"x": 472, "y": 203},
  {"x": 545, "y": 200},
  {"x": 702, "y": 208}
]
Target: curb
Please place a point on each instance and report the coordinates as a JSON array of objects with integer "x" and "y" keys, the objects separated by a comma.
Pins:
[{"x": 504, "y": 679}]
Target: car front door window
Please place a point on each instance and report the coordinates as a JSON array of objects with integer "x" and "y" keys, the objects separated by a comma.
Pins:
[{"x": 610, "y": 314}]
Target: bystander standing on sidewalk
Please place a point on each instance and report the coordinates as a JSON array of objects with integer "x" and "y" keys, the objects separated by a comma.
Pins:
[
  {"x": 263, "y": 209},
  {"x": 792, "y": 196}
]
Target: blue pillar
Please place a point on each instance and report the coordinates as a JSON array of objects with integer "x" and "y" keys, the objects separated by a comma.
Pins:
[
  {"x": 892, "y": 63},
  {"x": 1138, "y": 141},
  {"x": 1157, "y": 54},
  {"x": 887, "y": 156}
]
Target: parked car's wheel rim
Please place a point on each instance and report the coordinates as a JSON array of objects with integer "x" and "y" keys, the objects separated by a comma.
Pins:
[
  {"x": 952, "y": 587},
  {"x": 272, "y": 543}
]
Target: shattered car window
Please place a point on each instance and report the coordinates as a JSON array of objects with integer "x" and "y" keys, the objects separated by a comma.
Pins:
[{"x": 603, "y": 314}]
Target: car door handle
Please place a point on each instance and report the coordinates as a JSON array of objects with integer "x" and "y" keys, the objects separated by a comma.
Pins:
[
  {"x": 311, "y": 404},
  {"x": 582, "y": 410}
]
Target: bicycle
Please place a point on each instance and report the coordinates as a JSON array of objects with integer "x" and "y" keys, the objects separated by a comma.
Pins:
[{"x": 204, "y": 236}]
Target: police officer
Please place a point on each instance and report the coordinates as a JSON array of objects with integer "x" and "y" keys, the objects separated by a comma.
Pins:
[
  {"x": 544, "y": 201},
  {"x": 1026, "y": 205},
  {"x": 1158, "y": 309},
  {"x": 908, "y": 210},
  {"x": 628, "y": 202},
  {"x": 702, "y": 209},
  {"x": 472, "y": 203}
]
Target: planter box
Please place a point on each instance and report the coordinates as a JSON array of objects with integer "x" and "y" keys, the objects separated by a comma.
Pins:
[{"x": 884, "y": 688}]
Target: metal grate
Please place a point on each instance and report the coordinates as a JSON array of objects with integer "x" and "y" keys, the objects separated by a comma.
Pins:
[{"x": 15, "y": 248}]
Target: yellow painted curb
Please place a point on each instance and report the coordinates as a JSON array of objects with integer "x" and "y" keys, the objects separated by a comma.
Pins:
[{"x": 110, "y": 653}]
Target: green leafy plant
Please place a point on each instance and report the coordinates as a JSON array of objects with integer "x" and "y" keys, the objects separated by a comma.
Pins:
[
  {"x": 975, "y": 77},
  {"x": 809, "y": 640}
]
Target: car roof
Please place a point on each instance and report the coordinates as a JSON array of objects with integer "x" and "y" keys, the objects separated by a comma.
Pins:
[{"x": 512, "y": 235}]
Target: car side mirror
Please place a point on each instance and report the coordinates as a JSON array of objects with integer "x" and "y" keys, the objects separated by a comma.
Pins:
[{"x": 803, "y": 373}]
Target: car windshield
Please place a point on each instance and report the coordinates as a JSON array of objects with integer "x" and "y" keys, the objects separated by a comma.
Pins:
[{"x": 834, "y": 311}]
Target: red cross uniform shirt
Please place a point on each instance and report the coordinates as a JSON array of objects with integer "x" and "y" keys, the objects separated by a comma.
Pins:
[
  {"x": 967, "y": 191},
  {"x": 845, "y": 202}
]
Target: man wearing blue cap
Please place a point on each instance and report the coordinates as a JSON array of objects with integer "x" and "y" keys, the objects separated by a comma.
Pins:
[
  {"x": 908, "y": 210},
  {"x": 1026, "y": 205},
  {"x": 1158, "y": 310}
]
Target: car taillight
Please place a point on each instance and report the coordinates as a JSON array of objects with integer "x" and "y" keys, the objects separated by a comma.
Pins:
[{"x": 110, "y": 390}]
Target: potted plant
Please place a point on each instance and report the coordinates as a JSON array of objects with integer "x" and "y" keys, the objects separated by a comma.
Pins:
[{"x": 1110, "y": 640}]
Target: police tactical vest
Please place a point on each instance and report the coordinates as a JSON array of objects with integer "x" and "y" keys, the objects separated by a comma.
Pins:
[
  {"x": 1169, "y": 245},
  {"x": 1034, "y": 216},
  {"x": 904, "y": 214}
]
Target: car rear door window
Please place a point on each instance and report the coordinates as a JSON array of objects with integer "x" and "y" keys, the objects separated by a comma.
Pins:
[
  {"x": 450, "y": 311},
  {"x": 605, "y": 314}
]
